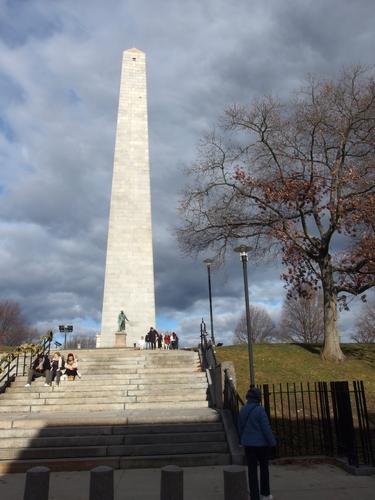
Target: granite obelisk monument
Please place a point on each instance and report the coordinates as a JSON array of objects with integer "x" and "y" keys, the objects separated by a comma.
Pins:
[{"x": 129, "y": 296}]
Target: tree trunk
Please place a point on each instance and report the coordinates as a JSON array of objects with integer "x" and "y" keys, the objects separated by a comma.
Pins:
[{"x": 332, "y": 350}]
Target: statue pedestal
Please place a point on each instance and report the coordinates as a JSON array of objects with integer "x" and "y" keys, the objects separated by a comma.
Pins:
[{"x": 120, "y": 339}]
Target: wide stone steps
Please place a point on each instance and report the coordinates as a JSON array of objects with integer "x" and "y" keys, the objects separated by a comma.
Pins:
[
  {"x": 129, "y": 446},
  {"x": 198, "y": 390},
  {"x": 100, "y": 399},
  {"x": 70, "y": 430},
  {"x": 115, "y": 450},
  {"x": 107, "y": 406},
  {"x": 72, "y": 441},
  {"x": 124, "y": 377},
  {"x": 129, "y": 409}
]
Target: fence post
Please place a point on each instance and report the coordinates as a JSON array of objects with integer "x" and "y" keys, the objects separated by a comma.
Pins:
[
  {"x": 235, "y": 483},
  {"x": 172, "y": 483},
  {"x": 37, "y": 484},
  {"x": 101, "y": 483}
]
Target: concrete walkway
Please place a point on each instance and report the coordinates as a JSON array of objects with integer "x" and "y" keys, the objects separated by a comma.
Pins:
[{"x": 288, "y": 482}]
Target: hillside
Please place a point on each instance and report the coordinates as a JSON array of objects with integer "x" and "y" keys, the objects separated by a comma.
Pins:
[{"x": 275, "y": 363}]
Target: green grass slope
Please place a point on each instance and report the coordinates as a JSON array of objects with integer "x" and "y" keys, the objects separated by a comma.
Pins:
[{"x": 276, "y": 363}]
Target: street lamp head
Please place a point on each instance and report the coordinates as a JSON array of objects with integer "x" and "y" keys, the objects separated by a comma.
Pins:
[
  {"x": 208, "y": 262},
  {"x": 242, "y": 250}
]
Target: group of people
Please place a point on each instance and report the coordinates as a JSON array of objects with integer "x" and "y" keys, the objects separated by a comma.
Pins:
[
  {"x": 156, "y": 340},
  {"x": 53, "y": 368}
]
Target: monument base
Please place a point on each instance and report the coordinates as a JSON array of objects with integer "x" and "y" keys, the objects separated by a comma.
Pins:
[{"x": 120, "y": 339}]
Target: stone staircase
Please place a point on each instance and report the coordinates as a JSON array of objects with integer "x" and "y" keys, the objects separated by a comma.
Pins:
[{"x": 129, "y": 409}]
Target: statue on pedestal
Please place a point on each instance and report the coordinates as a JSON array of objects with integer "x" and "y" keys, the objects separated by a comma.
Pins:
[{"x": 121, "y": 320}]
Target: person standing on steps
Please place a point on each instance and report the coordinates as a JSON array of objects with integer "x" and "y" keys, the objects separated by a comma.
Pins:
[
  {"x": 257, "y": 438},
  {"x": 174, "y": 340},
  {"x": 40, "y": 368},
  {"x": 167, "y": 341},
  {"x": 160, "y": 340},
  {"x": 152, "y": 334}
]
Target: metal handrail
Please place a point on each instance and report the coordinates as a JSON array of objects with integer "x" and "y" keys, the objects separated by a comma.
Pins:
[
  {"x": 10, "y": 366},
  {"x": 212, "y": 368},
  {"x": 232, "y": 400}
]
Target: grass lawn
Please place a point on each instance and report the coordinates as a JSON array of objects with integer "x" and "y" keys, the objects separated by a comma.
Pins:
[{"x": 275, "y": 363}]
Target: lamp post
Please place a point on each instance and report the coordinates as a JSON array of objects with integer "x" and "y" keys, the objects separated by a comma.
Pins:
[
  {"x": 243, "y": 250},
  {"x": 208, "y": 263},
  {"x": 65, "y": 329}
]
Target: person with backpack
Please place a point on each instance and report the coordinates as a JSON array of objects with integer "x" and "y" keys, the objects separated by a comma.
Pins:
[{"x": 257, "y": 438}]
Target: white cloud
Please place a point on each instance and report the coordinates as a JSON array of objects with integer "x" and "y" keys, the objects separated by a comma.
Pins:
[{"x": 59, "y": 81}]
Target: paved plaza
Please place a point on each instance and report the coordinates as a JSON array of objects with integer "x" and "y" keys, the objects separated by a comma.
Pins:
[{"x": 288, "y": 482}]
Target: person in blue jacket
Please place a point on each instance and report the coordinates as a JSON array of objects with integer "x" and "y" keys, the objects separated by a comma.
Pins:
[{"x": 257, "y": 438}]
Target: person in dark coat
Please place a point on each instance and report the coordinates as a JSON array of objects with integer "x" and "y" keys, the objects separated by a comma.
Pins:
[
  {"x": 40, "y": 368},
  {"x": 147, "y": 340},
  {"x": 152, "y": 337},
  {"x": 257, "y": 438},
  {"x": 160, "y": 340}
]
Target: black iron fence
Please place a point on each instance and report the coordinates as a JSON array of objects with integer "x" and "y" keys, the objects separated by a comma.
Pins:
[
  {"x": 19, "y": 361},
  {"x": 317, "y": 418}
]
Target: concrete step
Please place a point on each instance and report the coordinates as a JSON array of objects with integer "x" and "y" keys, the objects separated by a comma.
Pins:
[
  {"x": 168, "y": 370},
  {"x": 107, "y": 379},
  {"x": 78, "y": 386},
  {"x": 175, "y": 384},
  {"x": 108, "y": 406},
  {"x": 170, "y": 397},
  {"x": 68, "y": 387},
  {"x": 63, "y": 408},
  {"x": 166, "y": 404},
  {"x": 58, "y": 392},
  {"x": 60, "y": 442},
  {"x": 133, "y": 418},
  {"x": 135, "y": 462},
  {"x": 111, "y": 440},
  {"x": 98, "y": 399},
  {"x": 108, "y": 430},
  {"x": 115, "y": 450},
  {"x": 191, "y": 437}
]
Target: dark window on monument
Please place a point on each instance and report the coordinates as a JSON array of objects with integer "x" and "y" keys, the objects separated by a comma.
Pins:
[{"x": 134, "y": 59}]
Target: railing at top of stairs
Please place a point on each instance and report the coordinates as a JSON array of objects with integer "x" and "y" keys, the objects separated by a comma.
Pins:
[{"x": 20, "y": 359}]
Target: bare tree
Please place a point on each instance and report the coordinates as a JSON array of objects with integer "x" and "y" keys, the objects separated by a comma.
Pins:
[
  {"x": 262, "y": 327},
  {"x": 13, "y": 326},
  {"x": 302, "y": 319},
  {"x": 85, "y": 341},
  {"x": 298, "y": 177},
  {"x": 365, "y": 333}
]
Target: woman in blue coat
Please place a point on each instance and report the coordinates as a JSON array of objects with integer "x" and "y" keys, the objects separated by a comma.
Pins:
[{"x": 257, "y": 438}]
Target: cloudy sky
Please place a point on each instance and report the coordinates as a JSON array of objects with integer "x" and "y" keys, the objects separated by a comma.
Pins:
[{"x": 60, "y": 63}]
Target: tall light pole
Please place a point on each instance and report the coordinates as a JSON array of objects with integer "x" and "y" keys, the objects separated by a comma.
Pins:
[
  {"x": 65, "y": 329},
  {"x": 243, "y": 250},
  {"x": 208, "y": 263}
]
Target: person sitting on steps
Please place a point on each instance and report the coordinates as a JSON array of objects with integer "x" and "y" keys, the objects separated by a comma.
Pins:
[
  {"x": 57, "y": 368},
  {"x": 40, "y": 368},
  {"x": 71, "y": 367}
]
